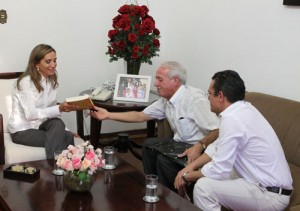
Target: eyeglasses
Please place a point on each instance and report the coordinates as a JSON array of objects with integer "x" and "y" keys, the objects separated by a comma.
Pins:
[{"x": 207, "y": 94}]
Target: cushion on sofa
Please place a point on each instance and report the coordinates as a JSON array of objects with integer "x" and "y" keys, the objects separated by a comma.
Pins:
[
  {"x": 6, "y": 92},
  {"x": 295, "y": 198},
  {"x": 284, "y": 117},
  {"x": 25, "y": 152}
]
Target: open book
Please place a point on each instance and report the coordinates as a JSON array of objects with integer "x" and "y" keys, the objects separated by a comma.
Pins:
[{"x": 83, "y": 102}]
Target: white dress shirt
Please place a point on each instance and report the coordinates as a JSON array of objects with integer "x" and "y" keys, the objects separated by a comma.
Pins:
[
  {"x": 188, "y": 113},
  {"x": 247, "y": 143},
  {"x": 31, "y": 108}
]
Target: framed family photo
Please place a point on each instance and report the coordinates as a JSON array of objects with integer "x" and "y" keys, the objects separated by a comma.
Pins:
[
  {"x": 291, "y": 2},
  {"x": 132, "y": 88}
]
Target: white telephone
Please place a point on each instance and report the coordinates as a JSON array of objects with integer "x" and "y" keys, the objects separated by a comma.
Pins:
[{"x": 101, "y": 94}]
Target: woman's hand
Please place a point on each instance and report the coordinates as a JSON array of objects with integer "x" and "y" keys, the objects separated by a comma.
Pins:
[
  {"x": 75, "y": 135},
  {"x": 66, "y": 107}
]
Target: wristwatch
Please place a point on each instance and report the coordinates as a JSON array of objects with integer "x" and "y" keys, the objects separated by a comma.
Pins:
[
  {"x": 203, "y": 145},
  {"x": 183, "y": 176}
]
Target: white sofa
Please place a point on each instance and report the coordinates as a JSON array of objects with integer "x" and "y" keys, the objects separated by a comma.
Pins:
[{"x": 9, "y": 151}]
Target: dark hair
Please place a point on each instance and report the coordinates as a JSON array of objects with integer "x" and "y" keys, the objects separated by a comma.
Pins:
[
  {"x": 37, "y": 54},
  {"x": 231, "y": 84}
]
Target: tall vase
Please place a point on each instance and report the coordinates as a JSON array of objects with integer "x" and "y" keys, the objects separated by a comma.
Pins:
[{"x": 133, "y": 67}]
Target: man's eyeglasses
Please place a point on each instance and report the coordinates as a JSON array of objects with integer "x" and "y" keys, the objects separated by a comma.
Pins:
[{"x": 207, "y": 94}]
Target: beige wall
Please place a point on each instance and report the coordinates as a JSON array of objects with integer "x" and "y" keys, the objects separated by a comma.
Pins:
[{"x": 257, "y": 38}]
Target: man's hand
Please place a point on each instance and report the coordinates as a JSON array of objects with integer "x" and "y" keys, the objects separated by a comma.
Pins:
[
  {"x": 99, "y": 113},
  {"x": 179, "y": 182},
  {"x": 192, "y": 153},
  {"x": 190, "y": 176}
]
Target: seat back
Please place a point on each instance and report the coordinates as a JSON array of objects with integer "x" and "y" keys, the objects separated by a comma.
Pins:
[{"x": 7, "y": 84}]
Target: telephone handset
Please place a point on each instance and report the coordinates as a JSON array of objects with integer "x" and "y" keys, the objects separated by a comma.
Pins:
[{"x": 101, "y": 94}]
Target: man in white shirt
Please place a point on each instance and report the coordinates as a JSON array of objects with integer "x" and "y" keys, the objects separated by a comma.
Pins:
[
  {"x": 247, "y": 144},
  {"x": 186, "y": 109}
]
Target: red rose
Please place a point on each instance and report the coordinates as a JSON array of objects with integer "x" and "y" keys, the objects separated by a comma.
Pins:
[
  {"x": 121, "y": 45},
  {"x": 148, "y": 24},
  {"x": 135, "y": 10},
  {"x": 156, "y": 31},
  {"x": 116, "y": 20},
  {"x": 111, "y": 50},
  {"x": 144, "y": 10},
  {"x": 132, "y": 37},
  {"x": 125, "y": 9},
  {"x": 156, "y": 43},
  {"x": 139, "y": 29},
  {"x": 112, "y": 33},
  {"x": 135, "y": 49},
  {"x": 135, "y": 55},
  {"x": 145, "y": 50},
  {"x": 142, "y": 32},
  {"x": 124, "y": 22}
]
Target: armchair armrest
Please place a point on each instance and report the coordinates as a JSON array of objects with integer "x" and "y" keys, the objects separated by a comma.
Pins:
[
  {"x": 163, "y": 129},
  {"x": 2, "y": 149}
]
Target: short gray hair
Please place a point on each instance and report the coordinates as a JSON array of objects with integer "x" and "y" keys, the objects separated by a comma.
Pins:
[{"x": 175, "y": 69}]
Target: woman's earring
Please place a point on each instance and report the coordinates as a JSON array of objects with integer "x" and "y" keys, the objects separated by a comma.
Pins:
[{"x": 38, "y": 69}]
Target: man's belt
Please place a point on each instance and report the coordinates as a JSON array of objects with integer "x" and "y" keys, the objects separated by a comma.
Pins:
[{"x": 280, "y": 190}]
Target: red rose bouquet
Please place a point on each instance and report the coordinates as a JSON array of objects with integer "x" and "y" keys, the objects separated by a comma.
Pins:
[{"x": 134, "y": 36}]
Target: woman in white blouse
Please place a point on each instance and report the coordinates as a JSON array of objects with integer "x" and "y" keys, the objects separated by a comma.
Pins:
[{"x": 35, "y": 114}]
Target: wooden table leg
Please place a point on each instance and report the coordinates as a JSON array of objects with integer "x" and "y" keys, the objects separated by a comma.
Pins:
[
  {"x": 95, "y": 131},
  {"x": 79, "y": 120},
  {"x": 150, "y": 128}
]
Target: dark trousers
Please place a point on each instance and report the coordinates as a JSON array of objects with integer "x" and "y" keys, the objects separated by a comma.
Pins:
[
  {"x": 157, "y": 164},
  {"x": 51, "y": 134}
]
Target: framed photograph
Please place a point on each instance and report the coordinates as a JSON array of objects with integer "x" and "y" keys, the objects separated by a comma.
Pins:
[
  {"x": 291, "y": 2},
  {"x": 132, "y": 88}
]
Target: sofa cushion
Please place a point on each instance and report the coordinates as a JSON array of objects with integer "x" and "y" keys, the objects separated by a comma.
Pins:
[
  {"x": 284, "y": 117},
  {"x": 295, "y": 198},
  {"x": 17, "y": 153}
]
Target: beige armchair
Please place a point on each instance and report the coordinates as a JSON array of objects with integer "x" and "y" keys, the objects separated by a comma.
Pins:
[{"x": 9, "y": 151}]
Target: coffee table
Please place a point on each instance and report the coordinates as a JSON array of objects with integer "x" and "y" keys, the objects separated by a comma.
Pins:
[{"x": 118, "y": 189}]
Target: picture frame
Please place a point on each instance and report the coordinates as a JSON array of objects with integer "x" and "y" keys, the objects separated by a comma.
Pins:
[
  {"x": 134, "y": 88},
  {"x": 291, "y": 2}
]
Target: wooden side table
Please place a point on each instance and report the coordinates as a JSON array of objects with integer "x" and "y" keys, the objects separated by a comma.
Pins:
[{"x": 113, "y": 106}]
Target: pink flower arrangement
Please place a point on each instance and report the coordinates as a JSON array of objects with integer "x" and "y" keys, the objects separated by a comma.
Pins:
[{"x": 82, "y": 158}]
